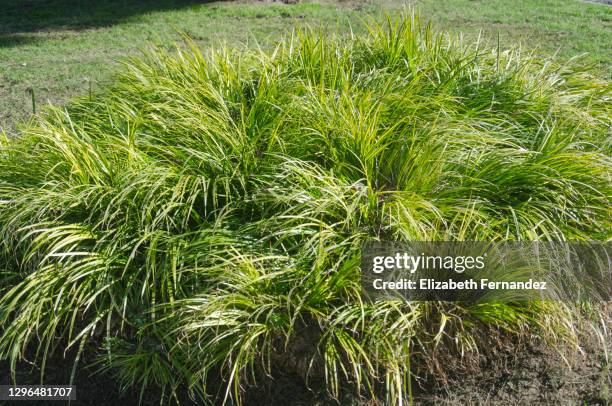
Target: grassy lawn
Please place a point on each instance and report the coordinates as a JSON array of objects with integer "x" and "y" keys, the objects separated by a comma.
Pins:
[
  {"x": 566, "y": 27},
  {"x": 61, "y": 48}
]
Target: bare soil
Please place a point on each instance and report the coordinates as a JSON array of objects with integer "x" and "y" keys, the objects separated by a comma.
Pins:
[{"x": 510, "y": 374}]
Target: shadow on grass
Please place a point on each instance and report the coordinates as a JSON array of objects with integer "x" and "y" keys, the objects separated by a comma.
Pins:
[
  {"x": 13, "y": 40},
  {"x": 20, "y": 17}
]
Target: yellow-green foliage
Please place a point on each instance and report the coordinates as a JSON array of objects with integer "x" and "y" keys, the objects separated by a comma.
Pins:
[{"x": 207, "y": 206}]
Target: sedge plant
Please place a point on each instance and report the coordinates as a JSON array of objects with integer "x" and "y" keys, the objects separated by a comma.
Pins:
[{"x": 201, "y": 219}]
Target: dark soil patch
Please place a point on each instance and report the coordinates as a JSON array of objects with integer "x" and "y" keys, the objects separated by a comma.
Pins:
[
  {"x": 508, "y": 373},
  {"x": 527, "y": 374}
]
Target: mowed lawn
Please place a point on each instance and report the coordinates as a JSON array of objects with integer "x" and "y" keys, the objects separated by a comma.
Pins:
[{"x": 62, "y": 48}]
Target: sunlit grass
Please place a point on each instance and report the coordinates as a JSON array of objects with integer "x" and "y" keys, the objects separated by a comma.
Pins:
[{"x": 208, "y": 209}]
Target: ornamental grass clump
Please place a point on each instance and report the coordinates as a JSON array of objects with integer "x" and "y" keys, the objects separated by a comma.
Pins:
[{"x": 199, "y": 222}]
